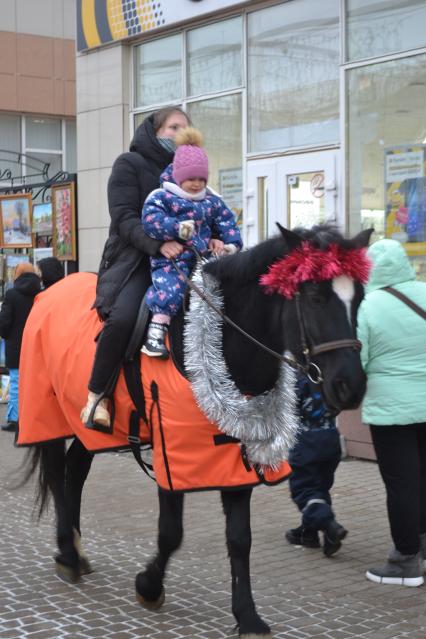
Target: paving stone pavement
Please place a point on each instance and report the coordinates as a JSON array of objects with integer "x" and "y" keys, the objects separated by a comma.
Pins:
[{"x": 301, "y": 593}]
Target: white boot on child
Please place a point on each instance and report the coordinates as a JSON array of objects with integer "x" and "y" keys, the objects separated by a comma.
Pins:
[{"x": 101, "y": 415}]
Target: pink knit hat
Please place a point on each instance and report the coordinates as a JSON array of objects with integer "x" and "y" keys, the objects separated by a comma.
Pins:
[{"x": 190, "y": 159}]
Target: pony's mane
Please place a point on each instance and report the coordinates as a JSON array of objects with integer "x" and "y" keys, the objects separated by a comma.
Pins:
[
  {"x": 324, "y": 235},
  {"x": 249, "y": 265}
]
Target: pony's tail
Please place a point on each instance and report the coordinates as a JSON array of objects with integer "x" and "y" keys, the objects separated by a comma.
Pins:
[{"x": 38, "y": 462}]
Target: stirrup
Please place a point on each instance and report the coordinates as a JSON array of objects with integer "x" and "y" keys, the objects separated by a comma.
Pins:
[{"x": 89, "y": 420}]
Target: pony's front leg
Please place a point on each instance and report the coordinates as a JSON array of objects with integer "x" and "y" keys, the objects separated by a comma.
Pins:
[
  {"x": 149, "y": 583},
  {"x": 236, "y": 505},
  {"x": 78, "y": 462}
]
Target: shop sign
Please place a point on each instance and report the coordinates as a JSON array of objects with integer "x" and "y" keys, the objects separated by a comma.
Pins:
[
  {"x": 404, "y": 165},
  {"x": 231, "y": 188},
  {"x": 405, "y": 193},
  {"x": 317, "y": 185},
  {"x": 108, "y": 20}
]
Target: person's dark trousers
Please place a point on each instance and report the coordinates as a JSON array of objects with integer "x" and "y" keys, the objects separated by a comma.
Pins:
[
  {"x": 117, "y": 329},
  {"x": 401, "y": 455},
  {"x": 314, "y": 460}
]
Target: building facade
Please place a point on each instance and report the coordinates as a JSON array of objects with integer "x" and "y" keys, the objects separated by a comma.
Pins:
[
  {"x": 311, "y": 111},
  {"x": 37, "y": 76},
  {"x": 37, "y": 111}
]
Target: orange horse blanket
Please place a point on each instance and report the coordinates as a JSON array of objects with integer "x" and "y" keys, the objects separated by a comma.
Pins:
[{"x": 189, "y": 452}]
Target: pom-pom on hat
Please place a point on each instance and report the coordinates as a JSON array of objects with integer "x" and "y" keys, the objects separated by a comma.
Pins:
[{"x": 190, "y": 159}]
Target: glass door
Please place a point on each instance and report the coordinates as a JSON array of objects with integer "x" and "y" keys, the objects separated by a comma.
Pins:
[{"x": 298, "y": 190}]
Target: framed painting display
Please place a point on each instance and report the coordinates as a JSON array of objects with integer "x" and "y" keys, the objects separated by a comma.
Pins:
[
  {"x": 41, "y": 253},
  {"x": 63, "y": 220},
  {"x": 42, "y": 218},
  {"x": 16, "y": 221},
  {"x": 12, "y": 261}
]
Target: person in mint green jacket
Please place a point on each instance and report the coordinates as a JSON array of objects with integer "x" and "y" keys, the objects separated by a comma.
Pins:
[{"x": 393, "y": 337}]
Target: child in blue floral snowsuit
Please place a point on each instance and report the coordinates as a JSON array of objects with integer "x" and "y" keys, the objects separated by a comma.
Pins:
[
  {"x": 314, "y": 460},
  {"x": 183, "y": 210}
]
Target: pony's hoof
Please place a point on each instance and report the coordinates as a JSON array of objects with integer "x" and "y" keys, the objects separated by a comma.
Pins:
[
  {"x": 151, "y": 605},
  {"x": 66, "y": 573},
  {"x": 85, "y": 567},
  {"x": 253, "y": 627}
]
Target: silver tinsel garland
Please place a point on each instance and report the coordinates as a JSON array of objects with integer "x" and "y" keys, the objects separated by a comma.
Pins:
[{"x": 267, "y": 424}]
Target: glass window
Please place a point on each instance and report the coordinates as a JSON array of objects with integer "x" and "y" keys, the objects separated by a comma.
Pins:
[
  {"x": 262, "y": 207},
  {"x": 140, "y": 117},
  {"x": 387, "y": 158},
  {"x": 305, "y": 199},
  {"x": 10, "y": 136},
  {"x": 43, "y": 133},
  {"x": 71, "y": 146},
  {"x": 219, "y": 119},
  {"x": 158, "y": 71},
  {"x": 293, "y": 75},
  {"x": 384, "y": 26},
  {"x": 10, "y": 132},
  {"x": 54, "y": 160},
  {"x": 214, "y": 55}
]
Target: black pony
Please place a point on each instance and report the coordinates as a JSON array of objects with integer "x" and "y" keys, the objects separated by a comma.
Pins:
[{"x": 313, "y": 324}]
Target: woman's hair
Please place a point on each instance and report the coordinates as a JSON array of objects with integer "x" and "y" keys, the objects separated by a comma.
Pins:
[
  {"x": 21, "y": 268},
  {"x": 51, "y": 270},
  {"x": 163, "y": 114}
]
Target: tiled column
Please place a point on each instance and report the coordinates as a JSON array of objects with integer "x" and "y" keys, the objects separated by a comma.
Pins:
[{"x": 103, "y": 90}]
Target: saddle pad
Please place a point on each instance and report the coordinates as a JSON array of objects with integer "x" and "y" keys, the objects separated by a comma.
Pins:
[
  {"x": 190, "y": 453},
  {"x": 58, "y": 349}
]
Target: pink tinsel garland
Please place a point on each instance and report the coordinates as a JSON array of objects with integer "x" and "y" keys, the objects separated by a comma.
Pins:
[{"x": 307, "y": 263}]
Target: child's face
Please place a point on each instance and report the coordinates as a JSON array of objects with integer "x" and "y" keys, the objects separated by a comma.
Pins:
[{"x": 193, "y": 185}]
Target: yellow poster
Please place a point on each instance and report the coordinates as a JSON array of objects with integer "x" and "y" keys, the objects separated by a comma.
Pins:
[{"x": 405, "y": 178}]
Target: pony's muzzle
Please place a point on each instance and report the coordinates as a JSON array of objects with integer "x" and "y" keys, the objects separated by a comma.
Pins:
[{"x": 347, "y": 396}]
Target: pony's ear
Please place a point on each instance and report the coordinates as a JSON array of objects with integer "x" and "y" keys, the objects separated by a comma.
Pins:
[
  {"x": 291, "y": 238},
  {"x": 362, "y": 239}
]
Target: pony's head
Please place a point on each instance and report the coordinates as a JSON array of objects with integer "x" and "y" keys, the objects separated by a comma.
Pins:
[
  {"x": 309, "y": 284},
  {"x": 322, "y": 277}
]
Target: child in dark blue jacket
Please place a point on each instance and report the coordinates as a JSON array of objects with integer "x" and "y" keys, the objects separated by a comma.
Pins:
[
  {"x": 314, "y": 460},
  {"x": 183, "y": 210}
]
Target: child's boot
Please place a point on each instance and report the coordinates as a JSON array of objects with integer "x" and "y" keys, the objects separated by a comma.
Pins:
[
  {"x": 101, "y": 415},
  {"x": 399, "y": 570},
  {"x": 301, "y": 536},
  {"x": 333, "y": 535},
  {"x": 154, "y": 344}
]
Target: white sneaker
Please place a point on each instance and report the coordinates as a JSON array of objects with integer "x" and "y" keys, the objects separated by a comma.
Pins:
[{"x": 101, "y": 415}]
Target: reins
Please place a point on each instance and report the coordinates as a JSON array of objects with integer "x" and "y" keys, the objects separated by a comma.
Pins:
[
  {"x": 310, "y": 369},
  {"x": 230, "y": 322}
]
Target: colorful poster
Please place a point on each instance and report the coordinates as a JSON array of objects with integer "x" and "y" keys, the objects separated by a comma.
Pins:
[
  {"x": 405, "y": 192},
  {"x": 231, "y": 189}
]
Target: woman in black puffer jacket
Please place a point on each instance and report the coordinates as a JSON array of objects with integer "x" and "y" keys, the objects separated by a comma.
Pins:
[
  {"x": 124, "y": 273},
  {"x": 15, "y": 309}
]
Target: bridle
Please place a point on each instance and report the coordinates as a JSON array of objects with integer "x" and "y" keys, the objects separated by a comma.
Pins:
[
  {"x": 318, "y": 349},
  {"x": 309, "y": 367}
]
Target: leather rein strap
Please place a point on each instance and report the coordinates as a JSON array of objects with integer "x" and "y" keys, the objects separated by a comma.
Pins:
[{"x": 309, "y": 368}]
